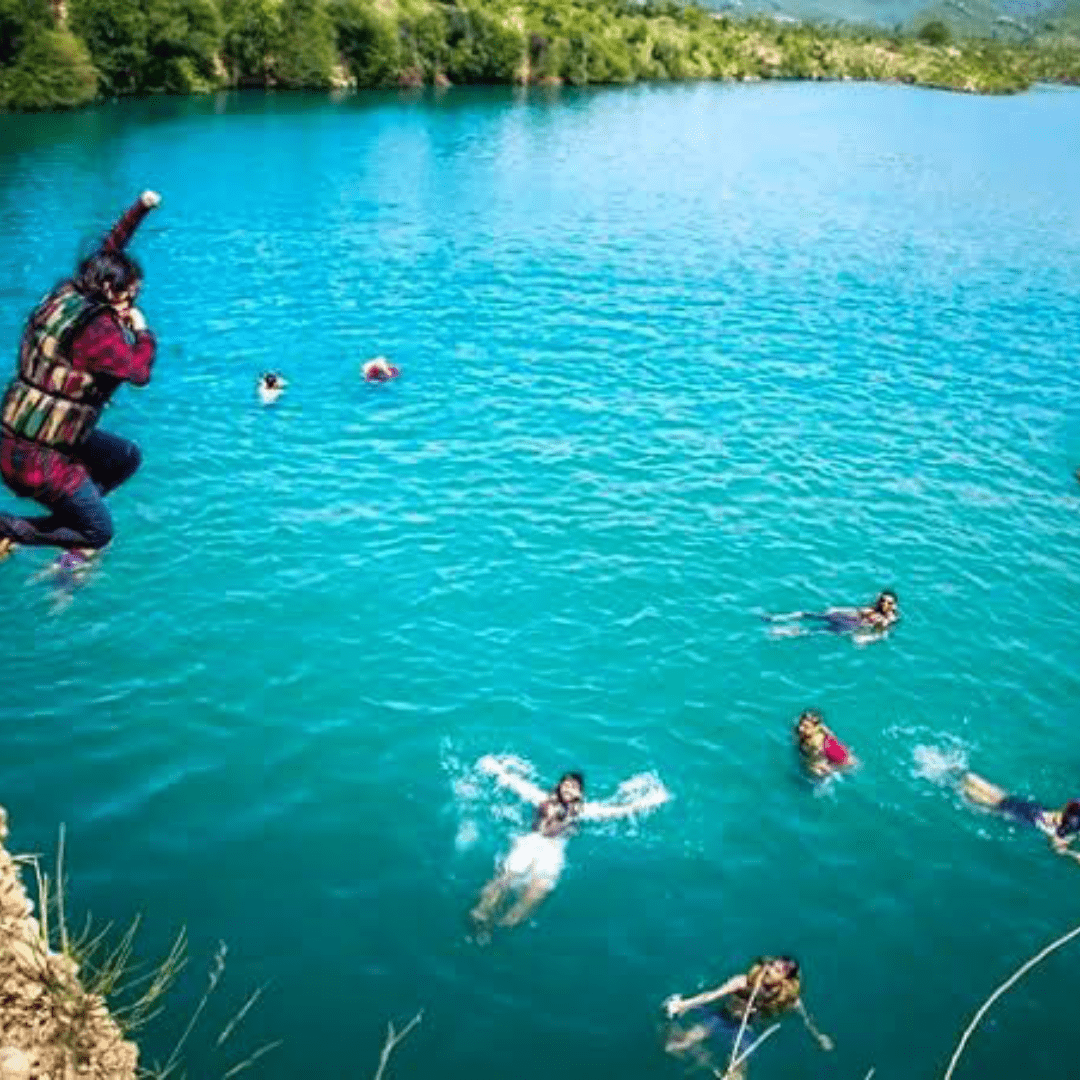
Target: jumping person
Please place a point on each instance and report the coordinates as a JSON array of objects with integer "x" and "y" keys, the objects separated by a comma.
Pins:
[
  {"x": 822, "y": 752},
  {"x": 81, "y": 342},
  {"x": 771, "y": 987},
  {"x": 1061, "y": 827},
  {"x": 536, "y": 859}
]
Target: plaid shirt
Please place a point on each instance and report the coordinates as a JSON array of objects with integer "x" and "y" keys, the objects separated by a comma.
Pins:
[{"x": 105, "y": 348}]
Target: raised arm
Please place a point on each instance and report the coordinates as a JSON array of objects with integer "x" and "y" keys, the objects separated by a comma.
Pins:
[
  {"x": 677, "y": 1004},
  {"x": 121, "y": 233},
  {"x": 506, "y": 777}
]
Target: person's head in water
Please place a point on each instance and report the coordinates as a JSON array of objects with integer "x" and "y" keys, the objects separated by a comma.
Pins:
[
  {"x": 109, "y": 277},
  {"x": 809, "y": 720},
  {"x": 270, "y": 380},
  {"x": 1070, "y": 818},
  {"x": 886, "y": 604},
  {"x": 774, "y": 969},
  {"x": 570, "y": 788}
]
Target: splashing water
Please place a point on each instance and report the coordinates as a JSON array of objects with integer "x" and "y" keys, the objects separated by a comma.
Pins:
[{"x": 938, "y": 764}]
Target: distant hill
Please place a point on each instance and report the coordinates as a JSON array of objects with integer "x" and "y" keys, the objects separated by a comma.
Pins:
[{"x": 1012, "y": 20}]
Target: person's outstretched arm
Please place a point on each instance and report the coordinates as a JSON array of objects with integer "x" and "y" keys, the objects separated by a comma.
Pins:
[
  {"x": 676, "y": 1005},
  {"x": 822, "y": 1040},
  {"x": 1061, "y": 846},
  {"x": 121, "y": 233},
  {"x": 508, "y": 778},
  {"x": 594, "y": 811}
]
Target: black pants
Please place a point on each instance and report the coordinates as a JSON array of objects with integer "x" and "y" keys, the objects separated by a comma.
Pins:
[{"x": 80, "y": 520}]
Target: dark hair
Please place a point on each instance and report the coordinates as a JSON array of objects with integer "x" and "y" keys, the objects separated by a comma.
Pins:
[
  {"x": 571, "y": 776},
  {"x": 792, "y": 963},
  {"x": 271, "y": 378},
  {"x": 107, "y": 272},
  {"x": 887, "y": 593},
  {"x": 1070, "y": 818},
  {"x": 810, "y": 714}
]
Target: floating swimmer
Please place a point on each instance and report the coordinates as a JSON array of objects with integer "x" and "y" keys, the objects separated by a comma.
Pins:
[
  {"x": 770, "y": 988},
  {"x": 68, "y": 572},
  {"x": 822, "y": 752},
  {"x": 536, "y": 859},
  {"x": 863, "y": 623},
  {"x": 271, "y": 386},
  {"x": 1060, "y": 826},
  {"x": 379, "y": 370}
]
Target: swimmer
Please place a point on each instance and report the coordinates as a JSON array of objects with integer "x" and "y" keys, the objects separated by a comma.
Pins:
[
  {"x": 271, "y": 386},
  {"x": 379, "y": 370},
  {"x": 863, "y": 623},
  {"x": 1060, "y": 826},
  {"x": 536, "y": 859},
  {"x": 822, "y": 752},
  {"x": 770, "y": 988}
]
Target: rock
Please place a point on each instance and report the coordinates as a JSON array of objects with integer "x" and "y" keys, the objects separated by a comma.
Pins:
[{"x": 14, "y": 1064}]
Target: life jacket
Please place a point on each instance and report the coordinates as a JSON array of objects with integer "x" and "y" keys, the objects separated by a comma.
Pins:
[
  {"x": 771, "y": 998},
  {"x": 49, "y": 402}
]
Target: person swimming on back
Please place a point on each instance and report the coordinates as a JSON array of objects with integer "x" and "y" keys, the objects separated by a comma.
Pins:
[
  {"x": 536, "y": 859},
  {"x": 822, "y": 752},
  {"x": 862, "y": 622},
  {"x": 379, "y": 370},
  {"x": 271, "y": 386},
  {"x": 1061, "y": 827}
]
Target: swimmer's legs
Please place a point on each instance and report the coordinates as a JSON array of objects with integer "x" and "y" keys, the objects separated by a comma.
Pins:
[
  {"x": 490, "y": 898},
  {"x": 531, "y": 898},
  {"x": 689, "y": 1044},
  {"x": 981, "y": 791}
]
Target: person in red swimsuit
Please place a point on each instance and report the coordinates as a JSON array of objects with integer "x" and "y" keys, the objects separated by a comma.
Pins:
[
  {"x": 822, "y": 752},
  {"x": 379, "y": 370}
]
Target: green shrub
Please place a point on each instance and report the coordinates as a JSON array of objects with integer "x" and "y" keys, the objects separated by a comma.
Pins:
[
  {"x": 114, "y": 32},
  {"x": 53, "y": 72},
  {"x": 251, "y": 40},
  {"x": 308, "y": 45},
  {"x": 182, "y": 40},
  {"x": 935, "y": 32},
  {"x": 369, "y": 42},
  {"x": 20, "y": 20}
]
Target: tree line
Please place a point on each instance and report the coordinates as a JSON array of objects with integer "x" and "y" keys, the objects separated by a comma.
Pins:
[{"x": 65, "y": 53}]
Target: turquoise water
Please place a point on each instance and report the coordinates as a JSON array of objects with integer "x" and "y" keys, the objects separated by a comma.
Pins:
[{"x": 672, "y": 357}]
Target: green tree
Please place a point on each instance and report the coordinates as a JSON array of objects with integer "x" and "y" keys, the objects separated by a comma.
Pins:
[
  {"x": 182, "y": 41},
  {"x": 487, "y": 51},
  {"x": 251, "y": 41},
  {"x": 369, "y": 42},
  {"x": 114, "y": 31},
  {"x": 935, "y": 32},
  {"x": 19, "y": 21},
  {"x": 308, "y": 45},
  {"x": 53, "y": 71}
]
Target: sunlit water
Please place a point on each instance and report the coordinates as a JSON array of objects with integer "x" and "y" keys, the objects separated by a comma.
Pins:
[{"x": 672, "y": 357}]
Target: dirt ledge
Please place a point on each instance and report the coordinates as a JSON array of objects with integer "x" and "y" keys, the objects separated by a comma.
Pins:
[{"x": 50, "y": 1028}]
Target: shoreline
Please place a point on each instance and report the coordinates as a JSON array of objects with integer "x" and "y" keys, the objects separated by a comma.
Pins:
[{"x": 65, "y": 63}]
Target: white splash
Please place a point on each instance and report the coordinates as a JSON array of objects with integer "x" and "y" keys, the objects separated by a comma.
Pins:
[{"x": 938, "y": 764}]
